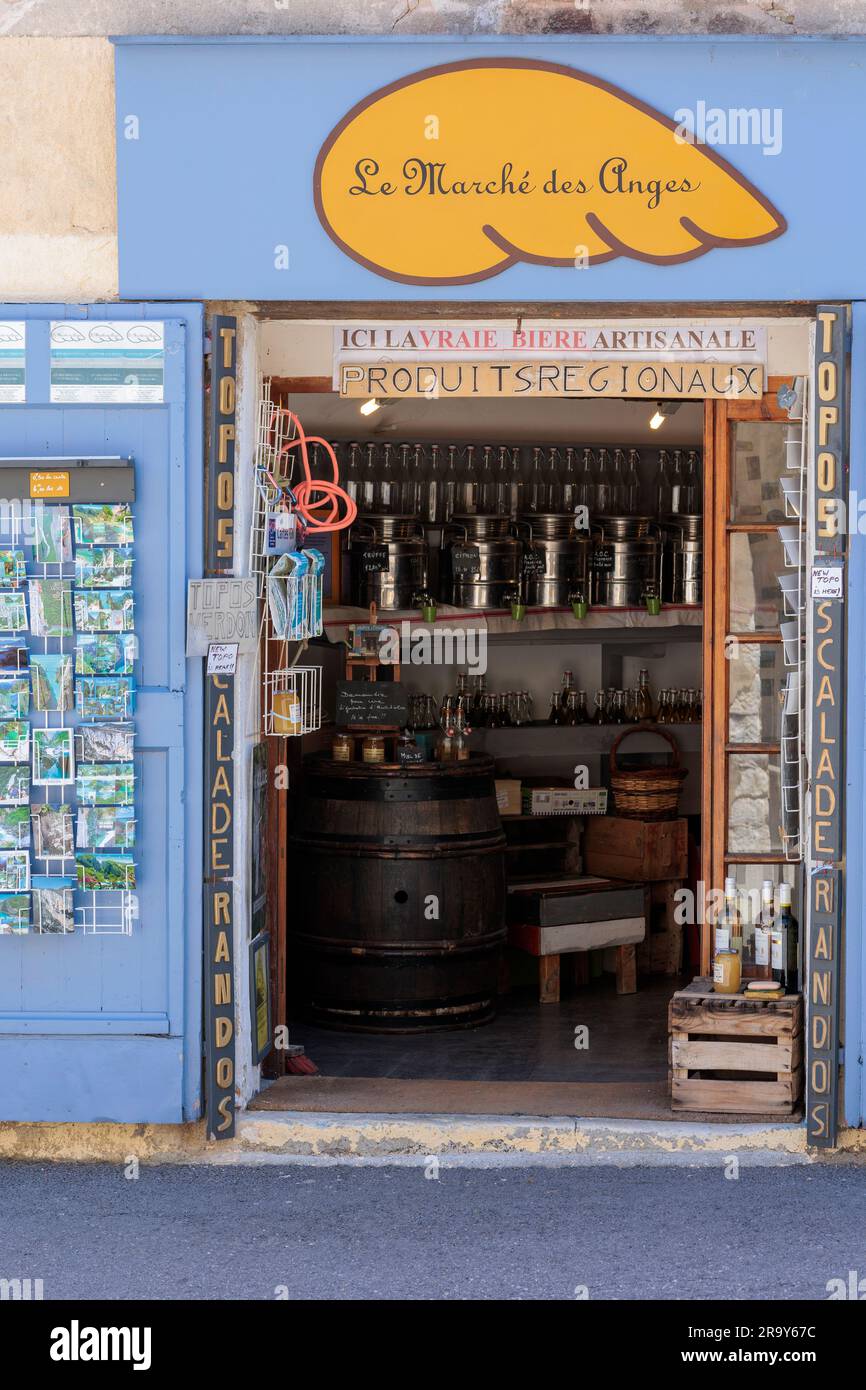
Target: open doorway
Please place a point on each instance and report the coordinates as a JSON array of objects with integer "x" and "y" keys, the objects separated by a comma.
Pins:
[{"x": 603, "y": 919}]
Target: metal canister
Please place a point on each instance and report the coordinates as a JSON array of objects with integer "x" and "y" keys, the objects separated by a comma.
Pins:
[
  {"x": 481, "y": 563},
  {"x": 626, "y": 561},
  {"x": 555, "y": 559},
  {"x": 388, "y": 559},
  {"x": 684, "y": 558}
]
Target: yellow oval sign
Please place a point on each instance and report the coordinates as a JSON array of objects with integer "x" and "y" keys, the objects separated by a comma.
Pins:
[{"x": 457, "y": 172}]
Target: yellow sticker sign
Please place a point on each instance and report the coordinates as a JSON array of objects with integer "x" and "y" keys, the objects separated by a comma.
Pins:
[
  {"x": 458, "y": 172},
  {"x": 49, "y": 484}
]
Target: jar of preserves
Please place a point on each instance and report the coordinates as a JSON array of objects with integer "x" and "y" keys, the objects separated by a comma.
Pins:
[
  {"x": 373, "y": 749},
  {"x": 342, "y": 748},
  {"x": 727, "y": 970}
]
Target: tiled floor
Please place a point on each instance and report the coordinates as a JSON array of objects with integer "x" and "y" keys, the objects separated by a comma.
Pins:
[{"x": 627, "y": 1042}]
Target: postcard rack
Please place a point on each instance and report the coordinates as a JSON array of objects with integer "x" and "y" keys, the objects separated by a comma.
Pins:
[{"x": 68, "y": 654}]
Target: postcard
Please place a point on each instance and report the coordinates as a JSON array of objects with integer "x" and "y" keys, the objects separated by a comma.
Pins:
[
  {"x": 105, "y": 743},
  {"x": 14, "y": 827},
  {"x": 105, "y": 653},
  {"x": 105, "y": 872},
  {"x": 14, "y": 784},
  {"x": 104, "y": 697},
  {"x": 104, "y": 610},
  {"x": 50, "y": 607},
  {"x": 51, "y": 678},
  {"x": 53, "y": 903},
  {"x": 52, "y": 831},
  {"x": 14, "y": 914},
  {"x": 13, "y": 611},
  {"x": 103, "y": 523},
  {"x": 14, "y": 870},
  {"x": 53, "y": 542},
  {"x": 102, "y": 567},
  {"x": 14, "y": 739},
  {"x": 52, "y": 757},
  {"x": 106, "y": 784},
  {"x": 105, "y": 827},
  {"x": 14, "y": 657},
  {"x": 14, "y": 697},
  {"x": 12, "y": 568}
]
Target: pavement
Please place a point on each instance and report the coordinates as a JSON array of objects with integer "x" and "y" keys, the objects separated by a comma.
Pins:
[{"x": 432, "y": 1231}]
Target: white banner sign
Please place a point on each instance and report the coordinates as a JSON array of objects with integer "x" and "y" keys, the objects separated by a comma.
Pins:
[{"x": 625, "y": 340}]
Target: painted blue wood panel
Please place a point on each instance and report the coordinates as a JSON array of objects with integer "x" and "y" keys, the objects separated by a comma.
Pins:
[{"x": 90, "y": 1009}]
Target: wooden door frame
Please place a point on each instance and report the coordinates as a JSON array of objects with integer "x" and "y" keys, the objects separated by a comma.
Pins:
[{"x": 718, "y": 416}]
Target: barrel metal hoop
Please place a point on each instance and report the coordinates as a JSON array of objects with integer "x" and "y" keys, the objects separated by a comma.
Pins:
[{"x": 397, "y": 789}]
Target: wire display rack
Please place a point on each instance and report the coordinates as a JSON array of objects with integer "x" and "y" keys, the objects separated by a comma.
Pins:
[
  {"x": 290, "y": 603},
  {"x": 793, "y": 584}
]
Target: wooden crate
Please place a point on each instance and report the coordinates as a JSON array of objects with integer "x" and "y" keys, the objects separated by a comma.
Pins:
[
  {"x": 732, "y": 1055},
  {"x": 644, "y": 850}
]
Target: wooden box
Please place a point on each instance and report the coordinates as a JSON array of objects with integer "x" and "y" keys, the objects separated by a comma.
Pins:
[
  {"x": 643, "y": 850},
  {"x": 732, "y": 1055}
]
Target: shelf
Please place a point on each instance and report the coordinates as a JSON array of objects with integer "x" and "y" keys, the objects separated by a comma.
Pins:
[
  {"x": 583, "y": 738},
  {"x": 559, "y": 623}
]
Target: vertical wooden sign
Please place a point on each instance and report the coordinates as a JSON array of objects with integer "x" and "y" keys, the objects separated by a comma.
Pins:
[
  {"x": 825, "y": 885},
  {"x": 219, "y": 976}
]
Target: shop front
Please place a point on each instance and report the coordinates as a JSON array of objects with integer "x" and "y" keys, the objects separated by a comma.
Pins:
[{"x": 549, "y": 644}]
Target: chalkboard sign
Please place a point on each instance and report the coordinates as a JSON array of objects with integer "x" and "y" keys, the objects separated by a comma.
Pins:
[
  {"x": 602, "y": 558},
  {"x": 374, "y": 559},
  {"x": 409, "y": 754},
  {"x": 535, "y": 563},
  {"x": 465, "y": 561},
  {"x": 372, "y": 702}
]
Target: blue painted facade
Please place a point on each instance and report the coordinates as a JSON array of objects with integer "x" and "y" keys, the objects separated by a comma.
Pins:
[
  {"x": 215, "y": 173},
  {"x": 108, "y": 1028}
]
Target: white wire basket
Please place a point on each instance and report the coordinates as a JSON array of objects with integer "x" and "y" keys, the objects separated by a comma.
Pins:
[
  {"x": 293, "y": 701},
  {"x": 109, "y": 913}
]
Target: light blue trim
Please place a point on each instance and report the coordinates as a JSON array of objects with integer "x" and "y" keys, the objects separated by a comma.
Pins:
[{"x": 854, "y": 1032}]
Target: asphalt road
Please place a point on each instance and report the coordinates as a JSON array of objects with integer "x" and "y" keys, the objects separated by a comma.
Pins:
[{"x": 302, "y": 1232}]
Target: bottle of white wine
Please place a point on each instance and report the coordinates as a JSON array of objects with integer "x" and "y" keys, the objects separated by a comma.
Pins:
[
  {"x": 729, "y": 933},
  {"x": 764, "y": 928}
]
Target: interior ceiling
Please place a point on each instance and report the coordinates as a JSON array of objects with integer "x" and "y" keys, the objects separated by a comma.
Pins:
[{"x": 505, "y": 421}]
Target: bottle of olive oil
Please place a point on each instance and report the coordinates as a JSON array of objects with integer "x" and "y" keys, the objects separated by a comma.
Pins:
[{"x": 786, "y": 944}]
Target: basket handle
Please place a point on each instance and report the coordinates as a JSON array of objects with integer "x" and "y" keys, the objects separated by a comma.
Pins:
[{"x": 646, "y": 727}]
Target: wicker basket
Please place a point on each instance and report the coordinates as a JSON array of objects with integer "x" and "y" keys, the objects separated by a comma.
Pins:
[{"x": 647, "y": 793}]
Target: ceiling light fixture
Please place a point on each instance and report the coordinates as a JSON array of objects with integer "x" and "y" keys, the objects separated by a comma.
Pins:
[
  {"x": 371, "y": 406},
  {"x": 658, "y": 419}
]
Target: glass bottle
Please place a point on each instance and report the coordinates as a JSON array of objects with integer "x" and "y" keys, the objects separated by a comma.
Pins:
[
  {"x": 618, "y": 483},
  {"x": 487, "y": 483},
  {"x": 433, "y": 488},
  {"x": 555, "y": 715},
  {"x": 568, "y": 481},
  {"x": 566, "y": 686},
  {"x": 516, "y": 488},
  {"x": 677, "y": 479},
  {"x": 602, "y": 484},
  {"x": 404, "y": 489},
  {"x": 786, "y": 954},
  {"x": 662, "y": 717},
  {"x": 692, "y": 490},
  {"x": 644, "y": 696},
  {"x": 352, "y": 478},
  {"x": 764, "y": 929},
  {"x": 552, "y": 483},
  {"x": 502, "y": 490},
  {"x": 584, "y": 482},
  {"x": 572, "y": 714},
  {"x": 537, "y": 486},
  {"x": 598, "y": 714},
  {"x": 664, "y": 504},
  {"x": 469, "y": 482},
  {"x": 385, "y": 482},
  {"x": 728, "y": 930},
  {"x": 451, "y": 484},
  {"x": 582, "y": 711},
  {"x": 631, "y": 484}
]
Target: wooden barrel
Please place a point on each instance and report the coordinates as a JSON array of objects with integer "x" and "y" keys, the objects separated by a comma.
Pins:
[{"x": 396, "y": 914}]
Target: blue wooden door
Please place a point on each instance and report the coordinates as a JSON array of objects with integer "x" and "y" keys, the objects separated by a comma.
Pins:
[{"x": 108, "y": 1027}]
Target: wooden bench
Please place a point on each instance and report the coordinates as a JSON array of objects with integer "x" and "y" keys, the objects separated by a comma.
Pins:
[{"x": 555, "y": 918}]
